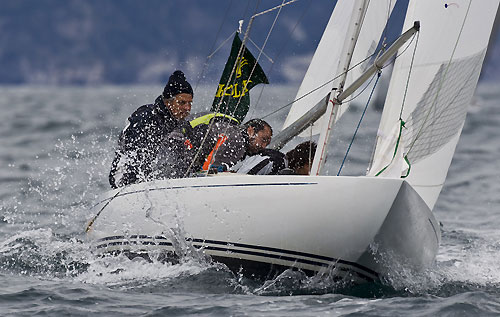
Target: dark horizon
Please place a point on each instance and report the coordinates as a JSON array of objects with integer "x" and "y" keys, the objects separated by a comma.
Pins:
[{"x": 91, "y": 42}]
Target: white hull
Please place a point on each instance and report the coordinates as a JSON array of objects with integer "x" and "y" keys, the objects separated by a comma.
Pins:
[{"x": 265, "y": 224}]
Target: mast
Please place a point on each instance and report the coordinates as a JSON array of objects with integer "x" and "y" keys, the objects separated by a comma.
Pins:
[{"x": 332, "y": 107}]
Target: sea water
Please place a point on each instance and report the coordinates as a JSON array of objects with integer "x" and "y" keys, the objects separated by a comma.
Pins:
[{"x": 56, "y": 146}]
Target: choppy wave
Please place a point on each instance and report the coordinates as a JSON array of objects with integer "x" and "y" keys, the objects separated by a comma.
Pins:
[{"x": 52, "y": 170}]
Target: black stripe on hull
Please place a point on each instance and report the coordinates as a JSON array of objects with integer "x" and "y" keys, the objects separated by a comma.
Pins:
[
  {"x": 251, "y": 268},
  {"x": 265, "y": 271}
]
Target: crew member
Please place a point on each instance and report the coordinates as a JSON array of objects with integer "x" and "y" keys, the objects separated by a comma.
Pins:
[
  {"x": 300, "y": 158},
  {"x": 272, "y": 162},
  {"x": 150, "y": 128},
  {"x": 229, "y": 141}
]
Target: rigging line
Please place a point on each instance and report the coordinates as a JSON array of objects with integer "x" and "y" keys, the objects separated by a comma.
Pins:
[
  {"x": 401, "y": 122},
  {"x": 256, "y": 7},
  {"x": 362, "y": 91},
  {"x": 220, "y": 46},
  {"x": 282, "y": 50},
  {"x": 278, "y": 7},
  {"x": 319, "y": 87},
  {"x": 260, "y": 49},
  {"x": 260, "y": 52},
  {"x": 205, "y": 65},
  {"x": 402, "y": 52},
  {"x": 359, "y": 124},
  {"x": 441, "y": 82},
  {"x": 241, "y": 51},
  {"x": 408, "y": 78},
  {"x": 246, "y": 36},
  {"x": 211, "y": 123},
  {"x": 263, "y": 46},
  {"x": 251, "y": 73},
  {"x": 254, "y": 66},
  {"x": 91, "y": 222},
  {"x": 311, "y": 158}
]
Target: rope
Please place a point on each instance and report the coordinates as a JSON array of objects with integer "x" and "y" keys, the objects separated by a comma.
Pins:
[
  {"x": 401, "y": 122},
  {"x": 278, "y": 7},
  {"x": 310, "y": 149},
  {"x": 359, "y": 124},
  {"x": 254, "y": 66},
  {"x": 401, "y": 126},
  {"x": 231, "y": 75},
  {"x": 262, "y": 50},
  {"x": 336, "y": 77},
  {"x": 408, "y": 78},
  {"x": 220, "y": 46},
  {"x": 264, "y": 45},
  {"x": 282, "y": 49},
  {"x": 317, "y": 88},
  {"x": 91, "y": 222},
  {"x": 210, "y": 125}
]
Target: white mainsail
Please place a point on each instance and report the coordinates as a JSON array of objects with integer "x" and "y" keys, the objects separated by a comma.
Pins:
[
  {"x": 444, "y": 72},
  {"x": 326, "y": 63}
]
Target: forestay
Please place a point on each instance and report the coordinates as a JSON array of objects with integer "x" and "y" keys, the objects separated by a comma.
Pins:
[{"x": 441, "y": 79}]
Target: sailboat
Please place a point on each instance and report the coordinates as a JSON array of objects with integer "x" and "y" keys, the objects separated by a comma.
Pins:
[{"x": 352, "y": 227}]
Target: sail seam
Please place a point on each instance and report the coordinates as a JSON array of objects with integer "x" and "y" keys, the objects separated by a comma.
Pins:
[
  {"x": 442, "y": 80},
  {"x": 449, "y": 111}
]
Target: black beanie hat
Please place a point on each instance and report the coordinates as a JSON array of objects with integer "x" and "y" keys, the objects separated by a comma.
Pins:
[{"x": 177, "y": 84}]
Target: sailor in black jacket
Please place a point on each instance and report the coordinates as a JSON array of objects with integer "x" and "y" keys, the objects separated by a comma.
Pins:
[
  {"x": 150, "y": 128},
  {"x": 227, "y": 142}
]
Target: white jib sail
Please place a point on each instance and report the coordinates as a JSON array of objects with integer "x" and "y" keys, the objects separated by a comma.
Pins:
[
  {"x": 448, "y": 58},
  {"x": 326, "y": 62}
]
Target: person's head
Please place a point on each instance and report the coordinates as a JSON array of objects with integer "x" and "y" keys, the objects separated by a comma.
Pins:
[
  {"x": 178, "y": 95},
  {"x": 300, "y": 158},
  {"x": 259, "y": 135}
]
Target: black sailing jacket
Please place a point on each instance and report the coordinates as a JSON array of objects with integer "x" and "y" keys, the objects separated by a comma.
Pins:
[{"x": 148, "y": 129}]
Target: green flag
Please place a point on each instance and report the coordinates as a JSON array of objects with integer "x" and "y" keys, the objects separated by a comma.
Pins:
[{"x": 234, "y": 92}]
